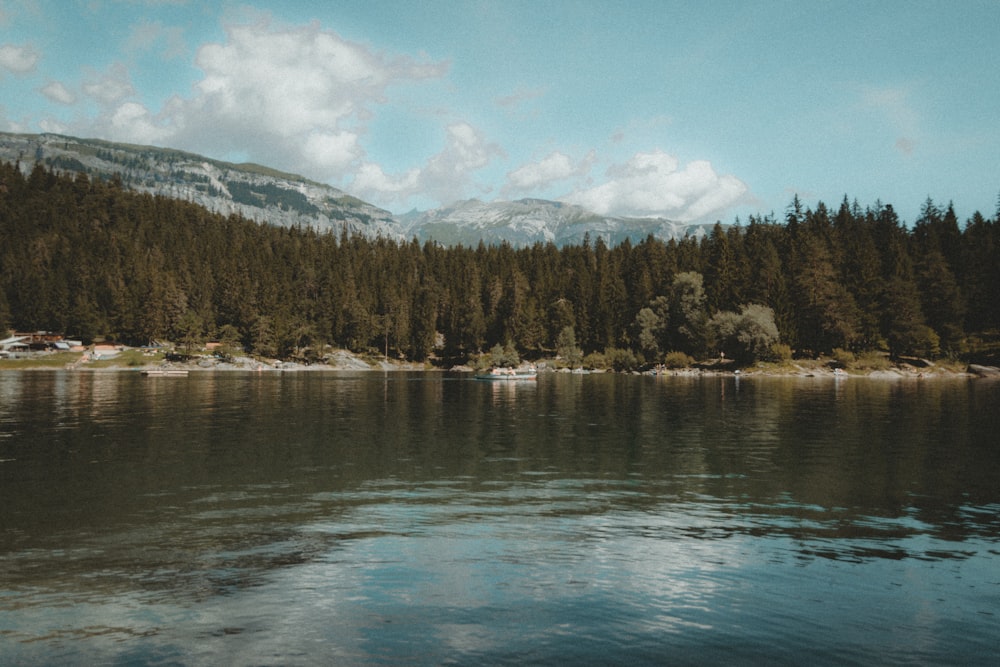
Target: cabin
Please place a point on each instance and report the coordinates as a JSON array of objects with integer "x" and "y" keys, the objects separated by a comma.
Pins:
[
  {"x": 11, "y": 346},
  {"x": 37, "y": 341}
]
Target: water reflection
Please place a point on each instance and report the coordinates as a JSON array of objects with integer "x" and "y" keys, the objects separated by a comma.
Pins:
[{"x": 386, "y": 518}]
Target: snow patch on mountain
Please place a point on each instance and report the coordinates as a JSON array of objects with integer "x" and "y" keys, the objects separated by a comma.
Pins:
[{"x": 528, "y": 221}]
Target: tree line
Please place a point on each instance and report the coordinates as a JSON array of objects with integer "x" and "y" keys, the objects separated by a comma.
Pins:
[{"x": 93, "y": 260}]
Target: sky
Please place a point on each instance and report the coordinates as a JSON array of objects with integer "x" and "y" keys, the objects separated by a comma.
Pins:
[{"x": 695, "y": 111}]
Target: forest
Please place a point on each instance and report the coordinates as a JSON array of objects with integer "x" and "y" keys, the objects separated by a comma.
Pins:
[{"x": 94, "y": 261}]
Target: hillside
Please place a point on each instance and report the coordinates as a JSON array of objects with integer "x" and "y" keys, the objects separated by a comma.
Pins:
[
  {"x": 255, "y": 192},
  {"x": 90, "y": 259},
  {"x": 287, "y": 200}
]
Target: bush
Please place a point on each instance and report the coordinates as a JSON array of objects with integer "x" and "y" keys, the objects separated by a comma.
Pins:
[
  {"x": 780, "y": 352},
  {"x": 745, "y": 336},
  {"x": 504, "y": 356},
  {"x": 873, "y": 361},
  {"x": 843, "y": 358},
  {"x": 678, "y": 360},
  {"x": 595, "y": 361},
  {"x": 622, "y": 360},
  {"x": 927, "y": 343}
]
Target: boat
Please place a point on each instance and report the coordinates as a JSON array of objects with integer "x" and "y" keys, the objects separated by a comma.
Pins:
[
  {"x": 165, "y": 372},
  {"x": 509, "y": 374}
]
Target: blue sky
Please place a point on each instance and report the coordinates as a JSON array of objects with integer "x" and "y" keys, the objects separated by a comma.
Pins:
[{"x": 696, "y": 111}]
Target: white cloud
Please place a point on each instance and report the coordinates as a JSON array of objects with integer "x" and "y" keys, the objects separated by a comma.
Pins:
[
  {"x": 333, "y": 151},
  {"x": 371, "y": 179},
  {"x": 57, "y": 92},
  {"x": 111, "y": 87},
  {"x": 18, "y": 59},
  {"x": 551, "y": 169},
  {"x": 652, "y": 184},
  {"x": 295, "y": 98},
  {"x": 303, "y": 94},
  {"x": 446, "y": 177},
  {"x": 134, "y": 121},
  {"x": 51, "y": 126}
]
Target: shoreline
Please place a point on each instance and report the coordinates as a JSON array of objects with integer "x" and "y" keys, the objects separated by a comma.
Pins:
[
  {"x": 343, "y": 361},
  {"x": 360, "y": 366}
]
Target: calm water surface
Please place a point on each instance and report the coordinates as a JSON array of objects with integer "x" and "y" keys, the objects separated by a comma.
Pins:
[{"x": 308, "y": 518}]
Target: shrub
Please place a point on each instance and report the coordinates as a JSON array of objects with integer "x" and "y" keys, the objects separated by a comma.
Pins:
[
  {"x": 678, "y": 360},
  {"x": 504, "y": 356},
  {"x": 780, "y": 352},
  {"x": 843, "y": 358},
  {"x": 595, "y": 360},
  {"x": 927, "y": 343},
  {"x": 622, "y": 360},
  {"x": 874, "y": 361},
  {"x": 745, "y": 336}
]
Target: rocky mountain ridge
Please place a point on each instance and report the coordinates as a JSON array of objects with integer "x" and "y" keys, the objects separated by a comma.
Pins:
[
  {"x": 528, "y": 221},
  {"x": 272, "y": 197},
  {"x": 255, "y": 192}
]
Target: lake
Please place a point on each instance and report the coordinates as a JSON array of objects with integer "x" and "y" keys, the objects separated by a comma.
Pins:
[{"x": 429, "y": 518}]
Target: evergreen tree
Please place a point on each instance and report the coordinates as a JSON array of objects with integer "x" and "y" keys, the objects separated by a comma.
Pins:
[
  {"x": 941, "y": 301},
  {"x": 567, "y": 349},
  {"x": 826, "y": 315},
  {"x": 724, "y": 279},
  {"x": 90, "y": 259},
  {"x": 903, "y": 321}
]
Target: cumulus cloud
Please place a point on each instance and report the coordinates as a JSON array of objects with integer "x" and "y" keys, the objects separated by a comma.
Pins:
[
  {"x": 133, "y": 120},
  {"x": 120, "y": 116},
  {"x": 332, "y": 151},
  {"x": 296, "y": 98},
  {"x": 304, "y": 94},
  {"x": 653, "y": 184},
  {"x": 371, "y": 179},
  {"x": 58, "y": 93},
  {"x": 47, "y": 125},
  {"x": 111, "y": 87},
  {"x": 551, "y": 169},
  {"x": 18, "y": 59},
  {"x": 446, "y": 177}
]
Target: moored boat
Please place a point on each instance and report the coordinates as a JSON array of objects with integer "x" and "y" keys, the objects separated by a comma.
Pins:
[
  {"x": 161, "y": 372},
  {"x": 509, "y": 374}
]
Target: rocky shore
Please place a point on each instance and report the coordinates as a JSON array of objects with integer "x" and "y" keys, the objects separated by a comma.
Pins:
[{"x": 343, "y": 360}]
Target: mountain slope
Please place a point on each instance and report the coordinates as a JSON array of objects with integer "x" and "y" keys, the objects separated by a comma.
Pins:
[
  {"x": 255, "y": 192},
  {"x": 277, "y": 198},
  {"x": 527, "y": 221}
]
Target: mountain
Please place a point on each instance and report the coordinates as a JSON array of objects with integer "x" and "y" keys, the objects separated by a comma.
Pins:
[
  {"x": 255, "y": 192},
  {"x": 527, "y": 221},
  {"x": 273, "y": 197}
]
